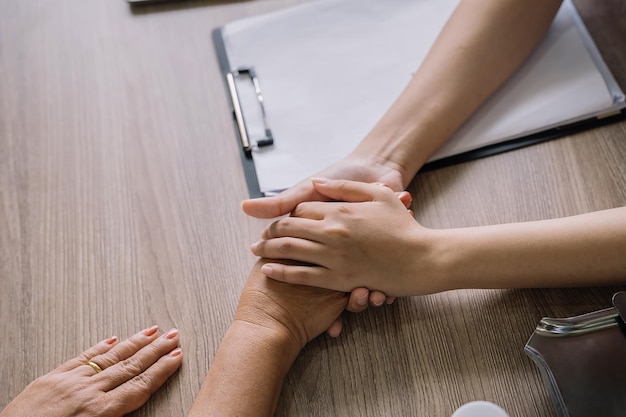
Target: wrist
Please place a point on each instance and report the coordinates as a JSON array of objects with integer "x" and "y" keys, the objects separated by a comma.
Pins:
[
  {"x": 247, "y": 372},
  {"x": 381, "y": 152},
  {"x": 401, "y": 144},
  {"x": 459, "y": 262},
  {"x": 275, "y": 339},
  {"x": 434, "y": 263},
  {"x": 267, "y": 323}
]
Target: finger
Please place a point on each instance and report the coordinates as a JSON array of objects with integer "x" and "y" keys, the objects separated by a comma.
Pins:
[
  {"x": 350, "y": 191},
  {"x": 313, "y": 210},
  {"x": 314, "y": 276},
  {"x": 335, "y": 329},
  {"x": 359, "y": 300},
  {"x": 294, "y": 249},
  {"x": 134, "y": 393},
  {"x": 390, "y": 300},
  {"x": 97, "y": 349},
  {"x": 406, "y": 198},
  {"x": 139, "y": 362},
  {"x": 125, "y": 349},
  {"x": 284, "y": 203},
  {"x": 377, "y": 298},
  {"x": 292, "y": 227}
]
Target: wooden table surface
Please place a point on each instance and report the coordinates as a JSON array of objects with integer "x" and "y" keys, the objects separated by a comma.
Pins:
[{"x": 120, "y": 184}]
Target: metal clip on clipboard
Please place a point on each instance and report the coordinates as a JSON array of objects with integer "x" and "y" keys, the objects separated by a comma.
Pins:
[{"x": 238, "y": 113}]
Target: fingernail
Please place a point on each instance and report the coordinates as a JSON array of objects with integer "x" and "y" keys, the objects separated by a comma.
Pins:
[
  {"x": 267, "y": 270},
  {"x": 171, "y": 334},
  {"x": 175, "y": 352},
  {"x": 111, "y": 340},
  {"x": 319, "y": 180},
  {"x": 150, "y": 330},
  {"x": 404, "y": 194},
  {"x": 254, "y": 246},
  {"x": 361, "y": 301}
]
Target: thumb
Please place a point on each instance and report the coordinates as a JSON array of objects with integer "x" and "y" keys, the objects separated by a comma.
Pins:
[
  {"x": 283, "y": 203},
  {"x": 350, "y": 191}
]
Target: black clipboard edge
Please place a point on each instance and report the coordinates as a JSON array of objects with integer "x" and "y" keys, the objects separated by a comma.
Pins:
[
  {"x": 247, "y": 163},
  {"x": 529, "y": 140}
]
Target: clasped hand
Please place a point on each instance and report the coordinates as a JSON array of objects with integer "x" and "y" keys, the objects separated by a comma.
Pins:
[{"x": 364, "y": 237}]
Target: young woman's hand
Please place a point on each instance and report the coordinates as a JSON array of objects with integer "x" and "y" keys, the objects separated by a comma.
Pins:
[
  {"x": 353, "y": 167},
  {"x": 365, "y": 239},
  {"x": 350, "y": 168}
]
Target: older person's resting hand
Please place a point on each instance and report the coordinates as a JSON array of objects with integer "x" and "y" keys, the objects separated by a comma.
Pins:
[{"x": 109, "y": 379}]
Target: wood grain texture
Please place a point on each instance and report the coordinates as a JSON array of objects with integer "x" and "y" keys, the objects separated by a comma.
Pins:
[{"x": 120, "y": 184}]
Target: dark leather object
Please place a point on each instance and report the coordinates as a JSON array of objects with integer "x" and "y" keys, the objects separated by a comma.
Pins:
[{"x": 583, "y": 361}]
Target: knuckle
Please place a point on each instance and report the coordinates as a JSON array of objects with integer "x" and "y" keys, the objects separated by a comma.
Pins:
[
  {"x": 278, "y": 272},
  {"x": 300, "y": 275},
  {"x": 282, "y": 203},
  {"x": 283, "y": 226},
  {"x": 103, "y": 361},
  {"x": 135, "y": 343},
  {"x": 143, "y": 383},
  {"x": 108, "y": 359},
  {"x": 84, "y": 357},
  {"x": 300, "y": 209},
  {"x": 96, "y": 406},
  {"x": 337, "y": 231},
  {"x": 87, "y": 355},
  {"x": 344, "y": 209},
  {"x": 131, "y": 366},
  {"x": 285, "y": 247}
]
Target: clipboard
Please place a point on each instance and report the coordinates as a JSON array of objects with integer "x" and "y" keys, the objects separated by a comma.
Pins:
[{"x": 295, "y": 82}]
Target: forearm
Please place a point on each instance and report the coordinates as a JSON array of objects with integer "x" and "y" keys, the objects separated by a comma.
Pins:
[
  {"x": 573, "y": 251},
  {"x": 482, "y": 44},
  {"x": 247, "y": 373}
]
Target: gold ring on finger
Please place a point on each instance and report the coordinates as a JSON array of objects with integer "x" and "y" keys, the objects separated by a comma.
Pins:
[{"x": 94, "y": 366}]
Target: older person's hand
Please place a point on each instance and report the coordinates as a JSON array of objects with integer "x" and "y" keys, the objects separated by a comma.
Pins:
[
  {"x": 109, "y": 379},
  {"x": 300, "y": 312},
  {"x": 273, "y": 322}
]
